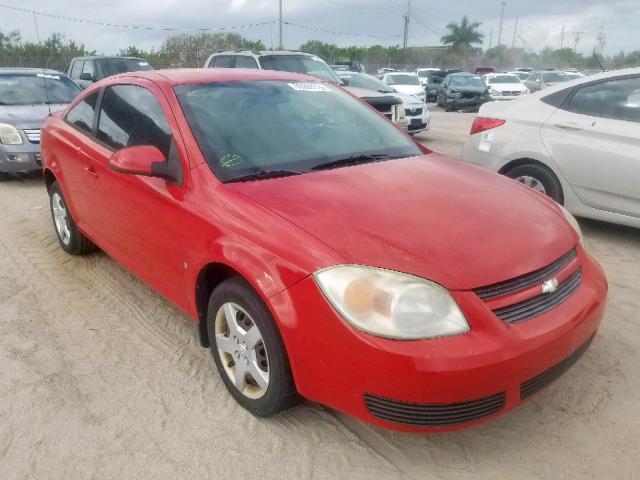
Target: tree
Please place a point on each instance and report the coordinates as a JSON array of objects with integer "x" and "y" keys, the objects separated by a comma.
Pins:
[{"x": 462, "y": 36}]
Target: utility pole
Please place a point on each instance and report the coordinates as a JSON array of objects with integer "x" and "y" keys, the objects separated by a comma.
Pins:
[
  {"x": 562, "y": 38},
  {"x": 280, "y": 47},
  {"x": 576, "y": 41},
  {"x": 407, "y": 16},
  {"x": 515, "y": 32},
  {"x": 504, "y": 4},
  {"x": 490, "y": 38}
]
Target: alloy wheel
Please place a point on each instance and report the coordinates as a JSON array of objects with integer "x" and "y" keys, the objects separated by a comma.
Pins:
[
  {"x": 61, "y": 218},
  {"x": 242, "y": 350},
  {"x": 532, "y": 182}
]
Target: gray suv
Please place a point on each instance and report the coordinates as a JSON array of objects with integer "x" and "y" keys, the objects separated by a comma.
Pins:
[
  {"x": 27, "y": 97},
  {"x": 86, "y": 70},
  {"x": 300, "y": 62}
]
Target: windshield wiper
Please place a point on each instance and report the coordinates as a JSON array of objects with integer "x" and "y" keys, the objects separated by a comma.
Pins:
[
  {"x": 263, "y": 175},
  {"x": 354, "y": 160}
]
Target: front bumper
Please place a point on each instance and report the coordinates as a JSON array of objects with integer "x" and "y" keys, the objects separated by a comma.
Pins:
[
  {"x": 20, "y": 158},
  {"x": 419, "y": 123},
  {"x": 343, "y": 368},
  {"x": 464, "y": 103}
]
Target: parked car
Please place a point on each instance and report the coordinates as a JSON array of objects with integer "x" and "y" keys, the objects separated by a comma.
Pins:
[
  {"x": 521, "y": 75},
  {"x": 353, "y": 66},
  {"x": 424, "y": 73},
  {"x": 87, "y": 70},
  {"x": 524, "y": 69},
  {"x": 304, "y": 233},
  {"x": 340, "y": 68},
  {"x": 537, "y": 81},
  {"x": 484, "y": 70},
  {"x": 462, "y": 91},
  {"x": 503, "y": 86},
  {"x": 576, "y": 142},
  {"x": 417, "y": 114},
  {"x": 449, "y": 71},
  {"x": 407, "y": 83},
  {"x": 299, "y": 62},
  {"x": 431, "y": 81},
  {"x": 27, "y": 96}
]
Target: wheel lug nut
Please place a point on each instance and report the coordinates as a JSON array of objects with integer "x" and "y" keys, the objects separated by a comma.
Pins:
[
  {"x": 235, "y": 339},
  {"x": 246, "y": 361},
  {"x": 237, "y": 354}
]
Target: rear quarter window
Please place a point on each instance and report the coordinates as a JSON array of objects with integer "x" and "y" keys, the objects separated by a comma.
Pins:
[{"x": 82, "y": 115}]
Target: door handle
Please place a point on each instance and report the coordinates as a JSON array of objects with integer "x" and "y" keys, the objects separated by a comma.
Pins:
[
  {"x": 91, "y": 171},
  {"x": 570, "y": 127}
]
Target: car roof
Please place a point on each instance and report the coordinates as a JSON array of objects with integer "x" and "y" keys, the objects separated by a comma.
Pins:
[
  {"x": 263, "y": 52},
  {"x": 491, "y": 75},
  {"x": 185, "y": 76},
  {"x": 26, "y": 71},
  {"x": 106, "y": 57}
]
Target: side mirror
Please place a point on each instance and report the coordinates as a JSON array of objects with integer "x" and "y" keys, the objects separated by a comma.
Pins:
[
  {"x": 86, "y": 76},
  {"x": 144, "y": 160}
]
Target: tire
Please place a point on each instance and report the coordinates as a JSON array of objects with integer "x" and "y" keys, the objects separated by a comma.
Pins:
[
  {"x": 438, "y": 101},
  {"x": 235, "y": 297},
  {"x": 448, "y": 106},
  {"x": 540, "y": 178},
  {"x": 72, "y": 240}
]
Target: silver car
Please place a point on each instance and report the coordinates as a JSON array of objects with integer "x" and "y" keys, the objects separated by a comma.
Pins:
[
  {"x": 27, "y": 97},
  {"x": 578, "y": 143}
]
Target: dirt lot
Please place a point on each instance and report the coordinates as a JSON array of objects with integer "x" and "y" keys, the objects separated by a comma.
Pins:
[{"x": 102, "y": 378}]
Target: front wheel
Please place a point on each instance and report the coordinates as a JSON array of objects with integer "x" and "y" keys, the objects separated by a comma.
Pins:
[
  {"x": 72, "y": 240},
  {"x": 540, "y": 178},
  {"x": 248, "y": 351},
  {"x": 448, "y": 106}
]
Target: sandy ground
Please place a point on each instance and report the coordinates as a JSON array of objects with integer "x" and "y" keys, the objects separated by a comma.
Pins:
[{"x": 101, "y": 378}]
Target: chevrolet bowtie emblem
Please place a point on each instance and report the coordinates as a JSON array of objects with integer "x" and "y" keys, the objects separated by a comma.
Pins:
[{"x": 550, "y": 286}]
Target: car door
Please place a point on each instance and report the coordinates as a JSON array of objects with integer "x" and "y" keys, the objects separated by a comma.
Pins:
[
  {"x": 139, "y": 219},
  {"x": 594, "y": 138},
  {"x": 534, "y": 82},
  {"x": 75, "y": 163}
]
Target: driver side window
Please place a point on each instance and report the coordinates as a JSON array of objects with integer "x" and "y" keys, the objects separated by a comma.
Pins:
[{"x": 132, "y": 116}]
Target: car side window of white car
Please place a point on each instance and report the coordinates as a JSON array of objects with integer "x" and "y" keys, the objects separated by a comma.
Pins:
[{"x": 617, "y": 99}]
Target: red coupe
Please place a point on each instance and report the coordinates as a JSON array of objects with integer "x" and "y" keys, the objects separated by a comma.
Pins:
[{"x": 323, "y": 252}]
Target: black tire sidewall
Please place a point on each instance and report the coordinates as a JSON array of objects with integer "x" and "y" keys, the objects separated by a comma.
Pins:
[
  {"x": 281, "y": 390},
  {"x": 551, "y": 185}
]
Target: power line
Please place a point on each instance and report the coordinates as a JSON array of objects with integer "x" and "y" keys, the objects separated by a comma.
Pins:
[
  {"x": 335, "y": 32},
  {"x": 360, "y": 8},
  {"x": 429, "y": 26},
  {"x": 130, "y": 26}
]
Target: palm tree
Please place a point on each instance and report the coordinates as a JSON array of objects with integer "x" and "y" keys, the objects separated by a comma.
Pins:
[{"x": 462, "y": 36}]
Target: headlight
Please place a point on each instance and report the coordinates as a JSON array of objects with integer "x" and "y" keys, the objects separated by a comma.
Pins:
[
  {"x": 9, "y": 135},
  {"x": 495, "y": 92},
  {"x": 455, "y": 95},
  {"x": 390, "y": 304},
  {"x": 572, "y": 221}
]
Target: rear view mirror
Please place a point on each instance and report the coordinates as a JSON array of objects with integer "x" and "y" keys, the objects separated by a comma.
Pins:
[
  {"x": 145, "y": 160},
  {"x": 86, "y": 76}
]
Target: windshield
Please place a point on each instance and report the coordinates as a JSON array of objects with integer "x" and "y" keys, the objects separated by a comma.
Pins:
[
  {"x": 300, "y": 64},
  {"x": 466, "y": 81},
  {"x": 503, "y": 79},
  {"x": 114, "y": 66},
  {"x": 554, "y": 77},
  {"x": 21, "y": 89},
  {"x": 403, "y": 79},
  {"x": 309, "y": 124},
  {"x": 367, "y": 82}
]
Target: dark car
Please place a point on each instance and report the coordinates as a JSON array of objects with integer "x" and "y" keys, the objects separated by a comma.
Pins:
[
  {"x": 484, "y": 70},
  {"x": 27, "y": 97},
  {"x": 86, "y": 70},
  {"x": 431, "y": 82},
  {"x": 462, "y": 91}
]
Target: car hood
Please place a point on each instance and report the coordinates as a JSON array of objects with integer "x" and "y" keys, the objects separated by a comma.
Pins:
[
  {"x": 409, "y": 100},
  {"x": 429, "y": 216},
  {"x": 508, "y": 87},
  {"x": 409, "y": 89},
  {"x": 27, "y": 116}
]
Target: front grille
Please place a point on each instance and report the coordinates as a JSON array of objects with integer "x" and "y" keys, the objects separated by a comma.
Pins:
[
  {"x": 470, "y": 95},
  {"x": 538, "y": 382},
  {"x": 33, "y": 135},
  {"x": 435, "y": 414},
  {"x": 519, "y": 312},
  {"x": 525, "y": 281},
  {"x": 411, "y": 113},
  {"x": 511, "y": 93}
]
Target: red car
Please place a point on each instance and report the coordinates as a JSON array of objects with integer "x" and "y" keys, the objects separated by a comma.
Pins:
[{"x": 323, "y": 252}]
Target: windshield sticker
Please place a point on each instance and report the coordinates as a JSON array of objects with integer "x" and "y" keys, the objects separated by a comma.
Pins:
[
  {"x": 316, "y": 59},
  {"x": 309, "y": 87},
  {"x": 50, "y": 77},
  {"x": 143, "y": 64},
  {"x": 230, "y": 160},
  {"x": 477, "y": 78}
]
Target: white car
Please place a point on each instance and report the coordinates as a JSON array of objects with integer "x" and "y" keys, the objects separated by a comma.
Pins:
[
  {"x": 578, "y": 142},
  {"x": 417, "y": 115},
  {"x": 423, "y": 74},
  {"x": 407, "y": 83},
  {"x": 504, "y": 86}
]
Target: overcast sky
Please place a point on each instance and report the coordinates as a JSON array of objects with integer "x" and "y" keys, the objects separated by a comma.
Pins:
[{"x": 368, "y": 21}]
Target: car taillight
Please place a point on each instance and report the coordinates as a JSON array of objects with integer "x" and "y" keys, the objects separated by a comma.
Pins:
[{"x": 480, "y": 124}]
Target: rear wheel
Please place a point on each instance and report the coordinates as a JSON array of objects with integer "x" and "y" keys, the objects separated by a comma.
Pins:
[
  {"x": 248, "y": 351},
  {"x": 540, "y": 178},
  {"x": 71, "y": 239}
]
